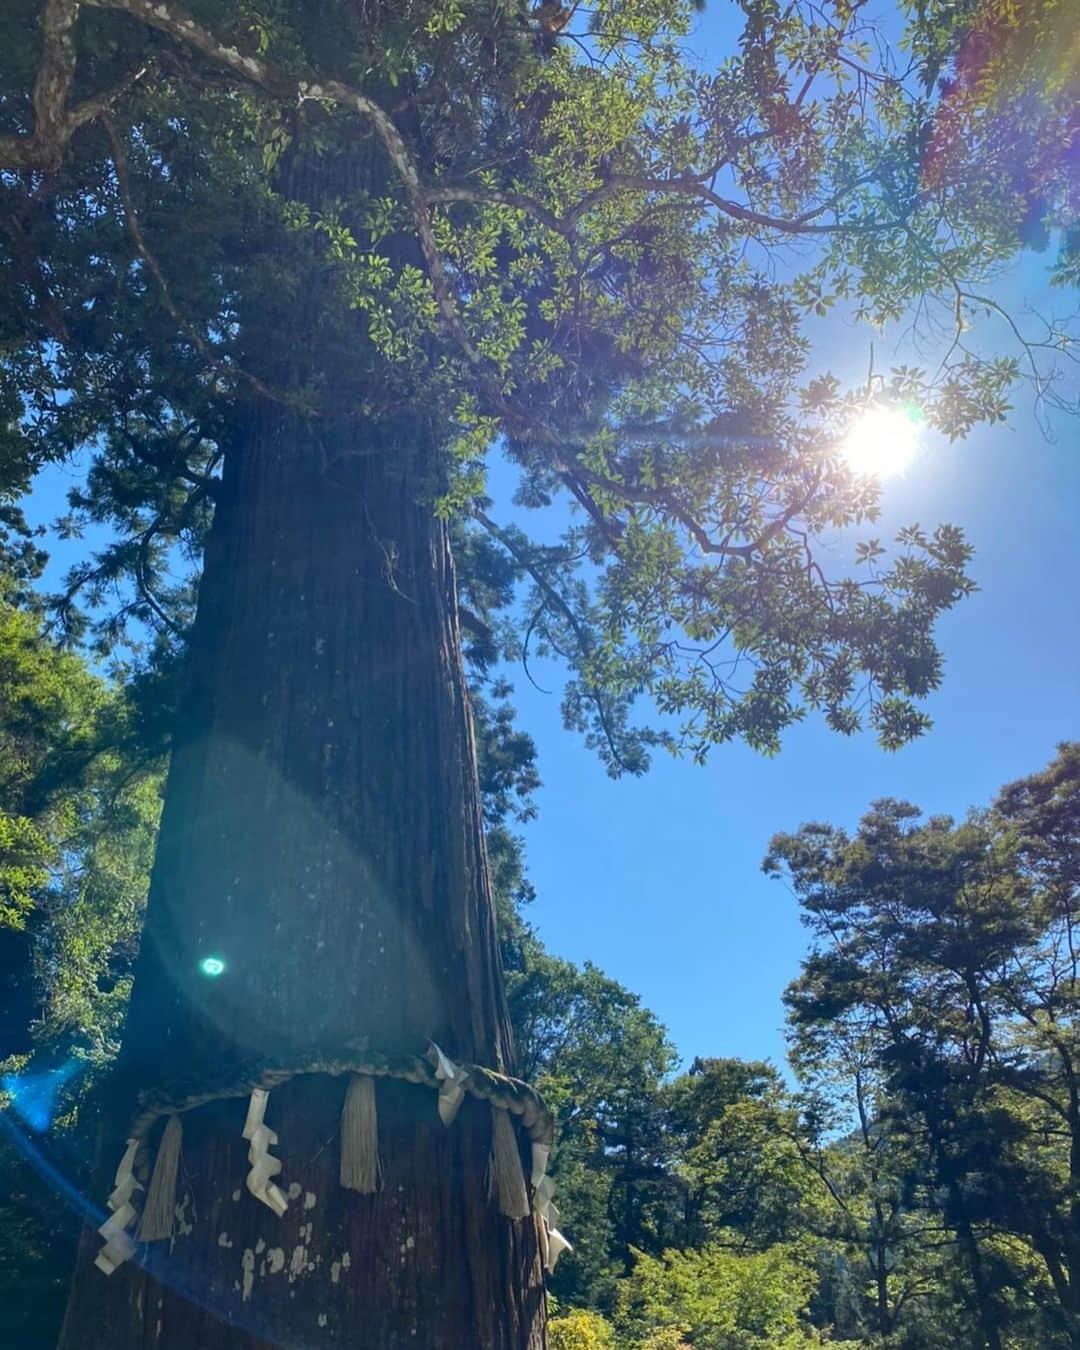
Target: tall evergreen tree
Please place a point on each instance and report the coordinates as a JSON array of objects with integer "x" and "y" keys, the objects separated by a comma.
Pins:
[
  {"x": 942, "y": 976},
  {"x": 289, "y": 271}
]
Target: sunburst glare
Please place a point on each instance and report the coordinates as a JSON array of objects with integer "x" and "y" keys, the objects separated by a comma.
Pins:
[{"x": 882, "y": 441}]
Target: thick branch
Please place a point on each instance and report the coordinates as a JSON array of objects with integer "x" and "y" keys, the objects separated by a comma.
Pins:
[
  {"x": 663, "y": 502},
  {"x": 491, "y": 197},
  {"x": 54, "y": 126},
  {"x": 182, "y": 28},
  {"x": 54, "y": 122},
  {"x": 45, "y": 147},
  {"x": 616, "y": 184},
  {"x": 690, "y": 186}
]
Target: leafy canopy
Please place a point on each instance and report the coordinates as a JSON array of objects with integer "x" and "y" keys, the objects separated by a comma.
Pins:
[
  {"x": 943, "y": 980},
  {"x": 718, "y": 1299},
  {"x": 551, "y": 232}
]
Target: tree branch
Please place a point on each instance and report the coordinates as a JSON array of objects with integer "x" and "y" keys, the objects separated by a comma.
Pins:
[
  {"x": 492, "y": 197},
  {"x": 553, "y": 600},
  {"x": 180, "y": 26},
  {"x": 615, "y": 184},
  {"x": 54, "y": 122},
  {"x": 658, "y": 498},
  {"x": 690, "y": 186}
]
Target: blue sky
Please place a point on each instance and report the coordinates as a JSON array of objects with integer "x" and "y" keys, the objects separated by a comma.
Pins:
[{"x": 657, "y": 880}]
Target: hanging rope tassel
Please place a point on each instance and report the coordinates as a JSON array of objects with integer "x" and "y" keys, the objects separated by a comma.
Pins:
[
  {"x": 542, "y": 1239},
  {"x": 506, "y": 1179},
  {"x": 360, "y": 1169},
  {"x": 160, "y": 1207}
]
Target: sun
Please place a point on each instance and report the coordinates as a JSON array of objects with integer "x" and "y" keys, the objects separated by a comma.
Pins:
[{"x": 882, "y": 441}]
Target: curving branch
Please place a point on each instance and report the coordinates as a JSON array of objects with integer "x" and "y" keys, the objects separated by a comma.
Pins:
[
  {"x": 179, "y": 25},
  {"x": 656, "y": 497},
  {"x": 439, "y": 196},
  {"x": 54, "y": 122},
  {"x": 691, "y": 186},
  {"x": 694, "y": 187}
]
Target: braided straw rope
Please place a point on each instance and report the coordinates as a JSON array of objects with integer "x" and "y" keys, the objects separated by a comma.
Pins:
[
  {"x": 510, "y": 1096},
  {"x": 499, "y": 1089}
]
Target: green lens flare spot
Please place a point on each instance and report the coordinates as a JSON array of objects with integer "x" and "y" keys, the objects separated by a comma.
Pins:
[
  {"x": 212, "y": 966},
  {"x": 913, "y": 413}
]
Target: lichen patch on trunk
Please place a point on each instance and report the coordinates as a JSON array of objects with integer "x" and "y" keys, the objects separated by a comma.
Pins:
[{"x": 247, "y": 1265}]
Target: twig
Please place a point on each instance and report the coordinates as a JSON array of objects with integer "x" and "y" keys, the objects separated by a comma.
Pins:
[{"x": 555, "y": 601}]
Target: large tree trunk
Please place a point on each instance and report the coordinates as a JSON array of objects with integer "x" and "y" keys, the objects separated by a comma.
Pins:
[{"x": 322, "y": 836}]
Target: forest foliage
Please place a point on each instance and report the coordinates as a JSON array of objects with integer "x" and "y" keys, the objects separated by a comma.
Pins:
[{"x": 910, "y": 1177}]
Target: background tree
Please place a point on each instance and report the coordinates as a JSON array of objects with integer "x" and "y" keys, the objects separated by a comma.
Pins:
[
  {"x": 736, "y": 1131},
  {"x": 581, "y": 1330},
  {"x": 1041, "y": 817},
  {"x": 78, "y": 817},
  {"x": 941, "y": 967},
  {"x": 720, "y": 1300},
  {"x": 601, "y": 1059}
]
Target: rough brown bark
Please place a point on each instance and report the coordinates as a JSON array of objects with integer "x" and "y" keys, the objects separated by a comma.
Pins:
[{"x": 322, "y": 835}]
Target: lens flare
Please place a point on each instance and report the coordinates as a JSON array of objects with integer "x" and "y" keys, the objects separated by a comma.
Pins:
[
  {"x": 34, "y": 1096},
  {"x": 156, "y": 1258},
  {"x": 212, "y": 966},
  {"x": 882, "y": 441}
]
